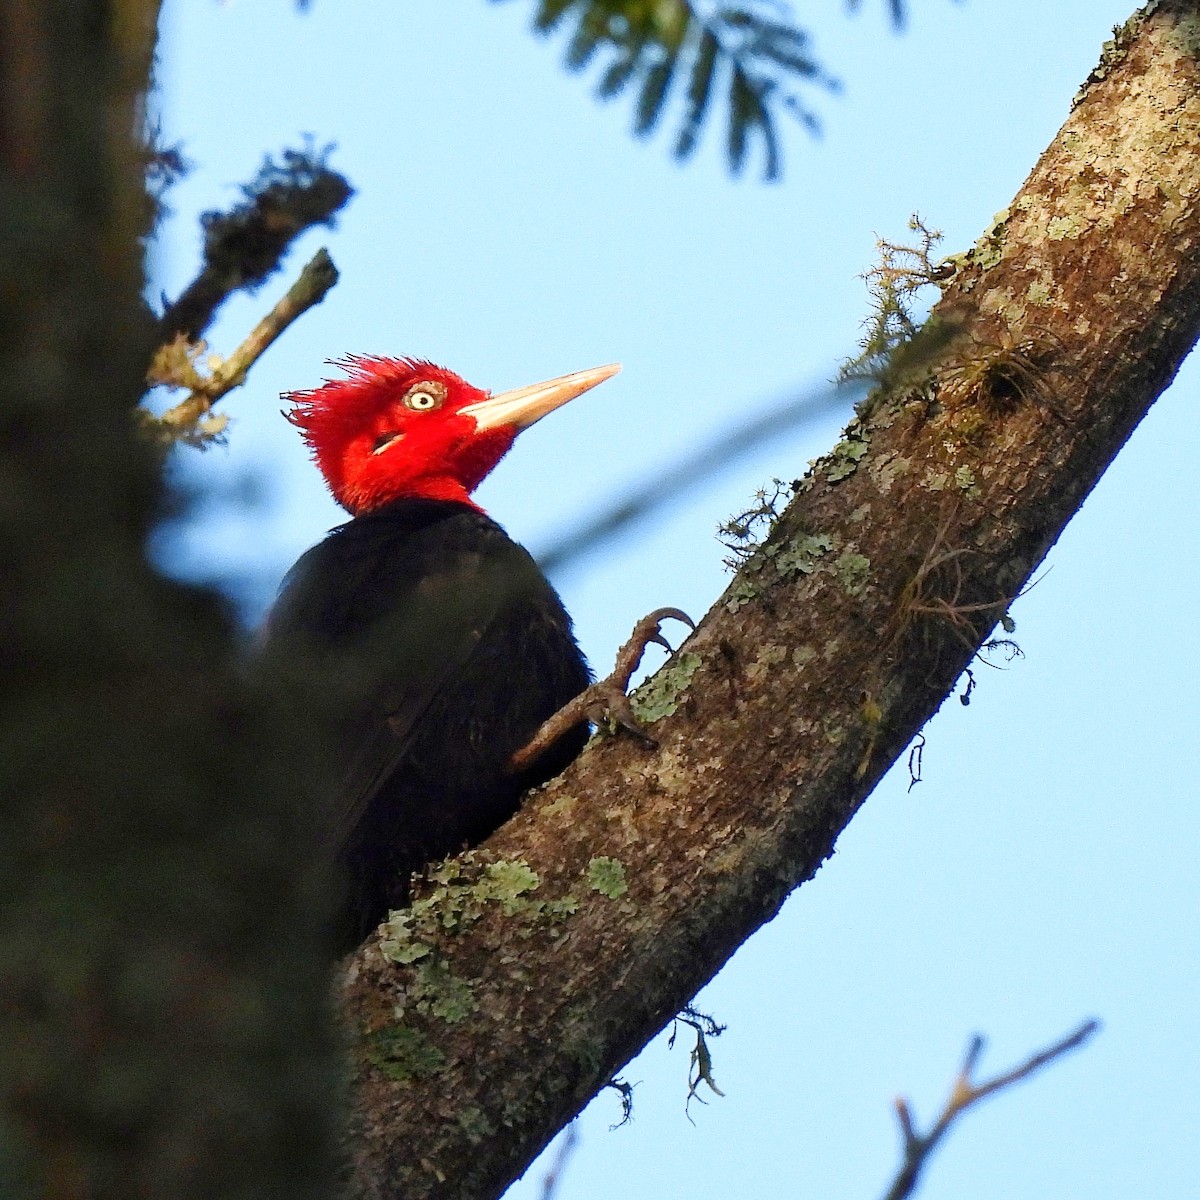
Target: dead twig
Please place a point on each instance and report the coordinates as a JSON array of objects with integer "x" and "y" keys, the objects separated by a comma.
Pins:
[
  {"x": 566, "y": 1148},
  {"x": 177, "y": 423},
  {"x": 964, "y": 1094}
]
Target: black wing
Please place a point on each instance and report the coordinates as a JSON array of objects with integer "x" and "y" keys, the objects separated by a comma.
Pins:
[{"x": 431, "y": 647}]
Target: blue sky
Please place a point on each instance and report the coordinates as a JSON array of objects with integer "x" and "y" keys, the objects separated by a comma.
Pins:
[{"x": 508, "y": 225}]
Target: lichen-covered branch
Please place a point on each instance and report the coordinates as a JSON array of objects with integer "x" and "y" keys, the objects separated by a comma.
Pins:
[
  {"x": 963, "y": 1095},
  {"x": 174, "y": 363},
  {"x": 642, "y": 870},
  {"x": 246, "y": 245}
]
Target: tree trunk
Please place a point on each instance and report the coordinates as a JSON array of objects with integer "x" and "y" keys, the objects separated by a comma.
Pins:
[
  {"x": 536, "y": 967},
  {"x": 162, "y": 1009}
]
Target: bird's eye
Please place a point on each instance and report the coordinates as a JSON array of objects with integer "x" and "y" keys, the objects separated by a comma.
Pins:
[{"x": 424, "y": 397}]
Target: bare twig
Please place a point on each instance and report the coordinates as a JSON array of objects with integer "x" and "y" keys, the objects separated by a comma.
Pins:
[
  {"x": 309, "y": 289},
  {"x": 965, "y": 1093},
  {"x": 566, "y": 1148},
  {"x": 701, "y": 1062}
]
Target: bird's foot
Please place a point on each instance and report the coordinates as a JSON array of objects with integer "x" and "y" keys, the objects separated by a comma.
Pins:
[{"x": 606, "y": 700}]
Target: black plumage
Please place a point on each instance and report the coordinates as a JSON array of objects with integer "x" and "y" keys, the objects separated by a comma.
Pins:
[{"x": 431, "y": 648}]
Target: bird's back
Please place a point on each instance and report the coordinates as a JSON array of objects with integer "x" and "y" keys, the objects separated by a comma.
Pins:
[{"x": 436, "y": 647}]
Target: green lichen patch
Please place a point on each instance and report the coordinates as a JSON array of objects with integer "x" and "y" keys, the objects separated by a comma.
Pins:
[
  {"x": 852, "y": 571},
  {"x": 740, "y": 594},
  {"x": 561, "y": 806},
  {"x": 1039, "y": 292},
  {"x": 803, "y": 654},
  {"x": 607, "y": 876},
  {"x": 1112, "y": 53},
  {"x": 844, "y": 458},
  {"x": 659, "y": 696},
  {"x": 1062, "y": 227},
  {"x": 800, "y": 555},
  {"x": 766, "y": 658},
  {"x": 437, "y": 991},
  {"x": 888, "y": 468},
  {"x": 474, "y": 1123},
  {"x": 508, "y": 881},
  {"x": 403, "y": 1053},
  {"x": 989, "y": 250},
  {"x": 463, "y": 889}
]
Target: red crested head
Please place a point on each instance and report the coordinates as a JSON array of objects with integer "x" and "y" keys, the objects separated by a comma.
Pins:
[{"x": 399, "y": 427}]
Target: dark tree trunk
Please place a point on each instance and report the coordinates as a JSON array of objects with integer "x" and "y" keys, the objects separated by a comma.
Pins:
[{"x": 162, "y": 1009}]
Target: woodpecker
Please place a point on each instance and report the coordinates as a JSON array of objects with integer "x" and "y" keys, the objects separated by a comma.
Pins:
[{"x": 433, "y": 645}]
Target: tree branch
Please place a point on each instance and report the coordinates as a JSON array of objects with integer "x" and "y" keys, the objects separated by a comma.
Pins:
[
  {"x": 318, "y": 276},
  {"x": 246, "y": 245},
  {"x": 964, "y": 1094},
  {"x": 834, "y": 644}
]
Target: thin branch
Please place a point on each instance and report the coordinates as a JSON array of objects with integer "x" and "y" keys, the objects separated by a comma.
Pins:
[
  {"x": 246, "y": 245},
  {"x": 566, "y": 1148},
  {"x": 309, "y": 289},
  {"x": 692, "y": 470},
  {"x": 964, "y": 1094}
]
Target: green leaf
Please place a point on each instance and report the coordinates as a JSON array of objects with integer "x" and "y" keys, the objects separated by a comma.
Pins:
[
  {"x": 741, "y": 107},
  {"x": 704, "y": 69},
  {"x": 550, "y": 14},
  {"x": 654, "y": 94},
  {"x": 589, "y": 33},
  {"x": 787, "y": 48},
  {"x": 650, "y": 41},
  {"x": 620, "y": 71}
]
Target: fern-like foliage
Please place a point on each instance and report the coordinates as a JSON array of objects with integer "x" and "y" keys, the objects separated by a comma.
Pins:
[{"x": 657, "y": 48}]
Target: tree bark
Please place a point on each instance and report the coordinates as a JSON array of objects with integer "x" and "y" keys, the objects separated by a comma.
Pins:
[
  {"x": 495, "y": 1010},
  {"x": 163, "y": 1026}
]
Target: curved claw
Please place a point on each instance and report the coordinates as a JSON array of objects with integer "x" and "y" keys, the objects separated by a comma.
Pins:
[
  {"x": 618, "y": 710},
  {"x": 675, "y": 614},
  {"x": 648, "y": 628},
  {"x": 606, "y": 699}
]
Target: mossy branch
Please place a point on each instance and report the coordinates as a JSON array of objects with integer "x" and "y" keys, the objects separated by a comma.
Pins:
[
  {"x": 245, "y": 246},
  {"x": 175, "y": 364}
]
